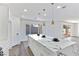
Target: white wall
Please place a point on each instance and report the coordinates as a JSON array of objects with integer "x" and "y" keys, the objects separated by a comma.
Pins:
[
  {"x": 23, "y": 27},
  {"x": 4, "y": 16},
  {"x": 75, "y": 29},
  {"x": 14, "y": 28},
  {"x": 17, "y": 25},
  {"x": 78, "y": 29},
  {"x": 54, "y": 30},
  {"x": 3, "y": 22}
]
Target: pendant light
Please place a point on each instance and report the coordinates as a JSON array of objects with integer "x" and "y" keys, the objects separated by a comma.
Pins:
[{"x": 52, "y": 22}]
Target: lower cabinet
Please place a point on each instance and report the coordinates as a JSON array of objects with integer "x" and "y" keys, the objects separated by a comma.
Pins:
[{"x": 38, "y": 49}]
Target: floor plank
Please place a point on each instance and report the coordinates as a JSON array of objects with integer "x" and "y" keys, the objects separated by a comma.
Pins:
[{"x": 21, "y": 50}]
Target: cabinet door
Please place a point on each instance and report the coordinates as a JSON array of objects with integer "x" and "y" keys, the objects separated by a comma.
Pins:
[
  {"x": 40, "y": 50},
  {"x": 34, "y": 47},
  {"x": 69, "y": 51},
  {"x": 43, "y": 50}
]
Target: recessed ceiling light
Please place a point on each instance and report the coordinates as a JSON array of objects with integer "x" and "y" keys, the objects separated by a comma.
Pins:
[
  {"x": 25, "y": 10},
  {"x": 58, "y": 6},
  {"x": 64, "y": 7},
  {"x": 35, "y": 25},
  {"x": 52, "y": 3},
  {"x": 44, "y": 9},
  {"x": 61, "y": 7},
  {"x": 45, "y": 14}
]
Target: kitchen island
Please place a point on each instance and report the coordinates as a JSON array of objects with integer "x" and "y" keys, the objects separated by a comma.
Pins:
[{"x": 45, "y": 46}]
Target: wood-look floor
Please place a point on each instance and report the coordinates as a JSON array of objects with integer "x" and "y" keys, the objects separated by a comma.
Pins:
[{"x": 21, "y": 49}]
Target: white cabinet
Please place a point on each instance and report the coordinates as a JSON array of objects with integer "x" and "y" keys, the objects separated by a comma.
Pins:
[
  {"x": 43, "y": 47},
  {"x": 38, "y": 49},
  {"x": 34, "y": 47}
]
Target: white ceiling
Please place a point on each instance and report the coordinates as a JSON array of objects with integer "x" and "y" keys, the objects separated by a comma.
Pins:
[
  {"x": 71, "y": 12},
  {"x": 17, "y": 9}
]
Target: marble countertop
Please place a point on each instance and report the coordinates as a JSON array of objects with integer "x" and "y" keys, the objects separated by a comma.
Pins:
[{"x": 54, "y": 46}]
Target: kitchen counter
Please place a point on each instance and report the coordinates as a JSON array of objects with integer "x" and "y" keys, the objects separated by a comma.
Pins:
[{"x": 48, "y": 44}]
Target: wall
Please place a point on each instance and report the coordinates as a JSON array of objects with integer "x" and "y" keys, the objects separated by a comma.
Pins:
[
  {"x": 54, "y": 30},
  {"x": 48, "y": 29},
  {"x": 14, "y": 31},
  {"x": 75, "y": 29},
  {"x": 3, "y": 22},
  {"x": 4, "y": 16},
  {"x": 19, "y": 26},
  {"x": 23, "y": 27}
]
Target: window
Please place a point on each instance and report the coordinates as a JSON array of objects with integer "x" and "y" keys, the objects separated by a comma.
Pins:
[
  {"x": 33, "y": 29},
  {"x": 27, "y": 29},
  {"x": 67, "y": 30}
]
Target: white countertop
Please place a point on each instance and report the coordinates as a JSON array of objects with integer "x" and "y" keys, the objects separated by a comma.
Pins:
[{"x": 54, "y": 46}]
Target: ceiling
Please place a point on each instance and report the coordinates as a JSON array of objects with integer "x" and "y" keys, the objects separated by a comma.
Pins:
[
  {"x": 70, "y": 12},
  {"x": 35, "y": 10}
]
